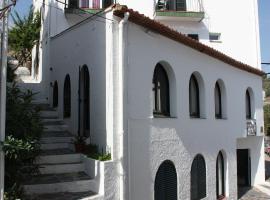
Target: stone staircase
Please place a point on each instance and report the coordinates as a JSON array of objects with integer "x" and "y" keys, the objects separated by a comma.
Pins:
[{"x": 62, "y": 172}]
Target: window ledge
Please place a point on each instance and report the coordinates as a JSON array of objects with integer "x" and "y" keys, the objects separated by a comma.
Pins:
[
  {"x": 162, "y": 117},
  {"x": 191, "y": 117},
  {"x": 222, "y": 118},
  {"x": 215, "y": 41}
]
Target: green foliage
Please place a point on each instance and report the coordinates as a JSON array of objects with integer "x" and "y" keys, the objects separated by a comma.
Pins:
[
  {"x": 266, "y": 110},
  {"x": 266, "y": 86},
  {"x": 24, "y": 35},
  {"x": 21, "y": 146},
  {"x": 92, "y": 152}
]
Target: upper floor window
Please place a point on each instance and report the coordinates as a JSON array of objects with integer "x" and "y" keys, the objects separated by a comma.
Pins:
[
  {"x": 166, "y": 182},
  {"x": 178, "y": 5},
  {"x": 67, "y": 97},
  {"x": 198, "y": 178},
  {"x": 194, "y": 97},
  {"x": 248, "y": 105},
  {"x": 218, "y": 101},
  {"x": 161, "y": 92},
  {"x": 194, "y": 36}
]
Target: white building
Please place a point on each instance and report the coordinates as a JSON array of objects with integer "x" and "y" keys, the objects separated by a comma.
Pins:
[{"x": 181, "y": 119}]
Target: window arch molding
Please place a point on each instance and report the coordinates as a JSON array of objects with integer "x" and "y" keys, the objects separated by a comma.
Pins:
[
  {"x": 199, "y": 100},
  {"x": 172, "y": 87},
  {"x": 165, "y": 185},
  {"x": 198, "y": 179},
  {"x": 222, "y": 98},
  {"x": 249, "y": 104},
  {"x": 67, "y": 97}
]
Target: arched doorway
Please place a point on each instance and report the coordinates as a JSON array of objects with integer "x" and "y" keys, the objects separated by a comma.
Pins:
[
  {"x": 166, "y": 182},
  {"x": 84, "y": 102},
  {"x": 55, "y": 94}
]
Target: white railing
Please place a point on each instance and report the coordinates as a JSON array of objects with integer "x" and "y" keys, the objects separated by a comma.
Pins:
[
  {"x": 176, "y": 5},
  {"x": 251, "y": 127}
]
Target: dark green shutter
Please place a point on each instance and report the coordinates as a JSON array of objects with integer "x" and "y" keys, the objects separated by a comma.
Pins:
[
  {"x": 180, "y": 5},
  {"x": 166, "y": 182}
]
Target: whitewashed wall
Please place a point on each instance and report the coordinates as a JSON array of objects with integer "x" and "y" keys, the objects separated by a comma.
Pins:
[
  {"x": 179, "y": 139},
  {"x": 85, "y": 45}
]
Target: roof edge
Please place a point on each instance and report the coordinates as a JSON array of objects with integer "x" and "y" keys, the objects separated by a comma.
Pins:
[{"x": 142, "y": 20}]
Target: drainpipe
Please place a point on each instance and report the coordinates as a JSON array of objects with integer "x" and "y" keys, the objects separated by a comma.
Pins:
[
  {"x": 120, "y": 109},
  {"x": 3, "y": 71}
]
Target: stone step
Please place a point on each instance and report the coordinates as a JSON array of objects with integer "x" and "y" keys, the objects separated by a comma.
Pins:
[
  {"x": 61, "y": 168},
  {"x": 55, "y": 128},
  {"x": 56, "y": 145},
  {"x": 49, "y": 140},
  {"x": 56, "y": 137},
  {"x": 66, "y": 196},
  {"x": 59, "y": 158},
  {"x": 48, "y": 114},
  {"x": 46, "y": 122},
  {"x": 55, "y": 183}
]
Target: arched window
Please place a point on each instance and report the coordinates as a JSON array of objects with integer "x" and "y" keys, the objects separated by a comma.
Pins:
[
  {"x": 198, "y": 178},
  {"x": 161, "y": 93},
  {"x": 194, "y": 97},
  {"x": 220, "y": 181},
  {"x": 218, "y": 102},
  {"x": 166, "y": 182},
  {"x": 248, "y": 105},
  {"x": 55, "y": 94},
  {"x": 67, "y": 97}
]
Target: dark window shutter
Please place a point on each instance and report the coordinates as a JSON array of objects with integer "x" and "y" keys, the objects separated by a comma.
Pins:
[
  {"x": 166, "y": 182},
  {"x": 198, "y": 178},
  {"x": 67, "y": 97},
  {"x": 55, "y": 94},
  {"x": 218, "y": 102},
  {"x": 180, "y": 5},
  {"x": 194, "y": 97},
  {"x": 248, "y": 105}
]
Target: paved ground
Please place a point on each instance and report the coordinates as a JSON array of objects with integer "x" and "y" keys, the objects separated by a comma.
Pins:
[{"x": 255, "y": 193}]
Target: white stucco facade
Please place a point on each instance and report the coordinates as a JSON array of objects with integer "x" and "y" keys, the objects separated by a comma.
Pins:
[{"x": 121, "y": 57}]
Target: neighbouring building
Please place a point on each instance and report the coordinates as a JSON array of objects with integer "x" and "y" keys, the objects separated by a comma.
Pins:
[{"x": 171, "y": 88}]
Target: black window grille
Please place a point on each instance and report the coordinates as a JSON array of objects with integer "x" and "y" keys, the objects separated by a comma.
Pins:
[
  {"x": 198, "y": 178},
  {"x": 161, "y": 93},
  {"x": 166, "y": 182}
]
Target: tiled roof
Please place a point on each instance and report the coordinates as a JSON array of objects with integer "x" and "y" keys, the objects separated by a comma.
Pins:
[{"x": 142, "y": 20}]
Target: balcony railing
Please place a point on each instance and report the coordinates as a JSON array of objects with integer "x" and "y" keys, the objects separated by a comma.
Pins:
[
  {"x": 251, "y": 127},
  {"x": 185, "y": 9},
  {"x": 87, "y": 4}
]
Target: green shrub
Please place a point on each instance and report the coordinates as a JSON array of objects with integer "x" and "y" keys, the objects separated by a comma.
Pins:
[
  {"x": 21, "y": 146},
  {"x": 92, "y": 151}
]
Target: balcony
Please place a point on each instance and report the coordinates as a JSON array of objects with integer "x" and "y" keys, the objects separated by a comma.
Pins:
[
  {"x": 251, "y": 127},
  {"x": 83, "y": 6},
  {"x": 179, "y": 10}
]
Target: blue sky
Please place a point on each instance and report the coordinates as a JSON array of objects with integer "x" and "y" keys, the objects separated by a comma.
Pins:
[{"x": 264, "y": 17}]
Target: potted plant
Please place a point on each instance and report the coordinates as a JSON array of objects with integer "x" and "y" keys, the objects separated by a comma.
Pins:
[{"x": 80, "y": 144}]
